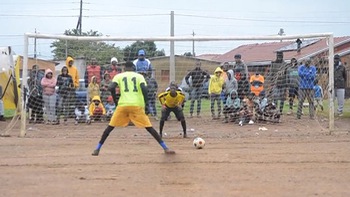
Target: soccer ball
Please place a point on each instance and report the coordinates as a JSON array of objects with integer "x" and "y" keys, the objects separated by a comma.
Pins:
[{"x": 198, "y": 143}]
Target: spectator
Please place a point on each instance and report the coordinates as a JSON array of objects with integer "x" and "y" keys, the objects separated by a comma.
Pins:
[
  {"x": 257, "y": 83},
  {"x": 105, "y": 93},
  {"x": 292, "y": 82},
  {"x": 199, "y": 77},
  {"x": 48, "y": 84},
  {"x": 318, "y": 95},
  {"x": 65, "y": 87},
  {"x": 242, "y": 76},
  {"x": 82, "y": 114},
  {"x": 142, "y": 64},
  {"x": 152, "y": 86},
  {"x": 73, "y": 71},
  {"x": 230, "y": 84},
  {"x": 2, "y": 113},
  {"x": 93, "y": 70},
  {"x": 277, "y": 79},
  {"x": 93, "y": 89},
  {"x": 96, "y": 109},
  {"x": 232, "y": 106},
  {"x": 266, "y": 109},
  {"x": 307, "y": 74},
  {"x": 339, "y": 83},
  {"x": 114, "y": 69},
  {"x": 110, "y": 107},
  {"x": 172, "y": 101},
  {"x": 216, "y": 84},
  {"x": 35, "y": 100},
  {"x": 247, "y": 111}
]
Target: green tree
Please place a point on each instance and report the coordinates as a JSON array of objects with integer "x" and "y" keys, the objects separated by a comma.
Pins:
[
  {"x": 102, "y": 51},
  {"x": 130, "y": 52},
  {"x": 188, "y": 54}
]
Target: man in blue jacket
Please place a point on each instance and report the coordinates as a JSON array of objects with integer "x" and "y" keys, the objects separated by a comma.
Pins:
[{"x": 307, "y": 74}]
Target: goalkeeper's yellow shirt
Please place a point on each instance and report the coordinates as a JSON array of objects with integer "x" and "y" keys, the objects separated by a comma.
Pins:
[{"x": 166, "y": 99}]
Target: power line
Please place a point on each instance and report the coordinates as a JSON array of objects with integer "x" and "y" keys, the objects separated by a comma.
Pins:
[{"x": 263, "y": 20}]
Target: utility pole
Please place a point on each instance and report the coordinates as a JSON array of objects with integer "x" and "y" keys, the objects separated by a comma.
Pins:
[
  {"x": 193, "y": 54},
  {"x": 172, "y": 49},
  {"x": 80, "y": 20},
  {"x": 35, "y": 46}
]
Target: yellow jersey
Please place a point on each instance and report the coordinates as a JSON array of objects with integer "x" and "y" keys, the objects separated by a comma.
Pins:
[
  {"x": 166, "y": 99},
  {"x": 130, "y": 89}
]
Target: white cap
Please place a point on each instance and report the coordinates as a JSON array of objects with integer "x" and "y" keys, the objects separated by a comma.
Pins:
[{"x": 114, "y": 59}]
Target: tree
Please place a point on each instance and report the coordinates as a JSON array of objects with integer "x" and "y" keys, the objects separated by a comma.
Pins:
[
  {"x": 188, "y": 54},
  {"x": 102, "y": 51},
  {"x": 130, "y": 52}
]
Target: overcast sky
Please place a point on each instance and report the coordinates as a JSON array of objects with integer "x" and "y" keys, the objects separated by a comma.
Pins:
[{"x": 152, "y": 18}]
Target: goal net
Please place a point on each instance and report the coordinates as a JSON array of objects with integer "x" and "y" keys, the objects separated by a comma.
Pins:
[{"x": 71, "y": 89}]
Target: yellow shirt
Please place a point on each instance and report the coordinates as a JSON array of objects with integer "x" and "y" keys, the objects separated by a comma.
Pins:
[
  {"x": 166, "y": 99},
  {"x": 130, "y": 89}
]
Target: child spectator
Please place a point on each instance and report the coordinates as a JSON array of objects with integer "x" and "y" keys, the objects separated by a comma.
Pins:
[
  {"x": 247, "y": 110},
  {"x": 232, "y": 106},
  {"x": 81, "y": 114},
  {"x": 110, "y": 107},
  {"x": 318, "y": 95},
  {"x": 266, "y": 110},
  {"x": 93, "y": 89},
  {"x": 216, "y": 84},
  {"x": 96, "y": 109}
]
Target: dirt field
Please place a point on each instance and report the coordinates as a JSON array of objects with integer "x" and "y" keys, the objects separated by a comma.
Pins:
[{"x": 293, "y": 158}]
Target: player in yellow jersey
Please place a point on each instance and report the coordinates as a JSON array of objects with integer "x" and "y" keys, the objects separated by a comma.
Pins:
[
  {"x": 130, "y": 105},
  {"x": 172, "y": 101}
]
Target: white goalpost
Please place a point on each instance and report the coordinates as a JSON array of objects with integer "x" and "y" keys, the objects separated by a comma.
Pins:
[{"x": 172, "y": 40}]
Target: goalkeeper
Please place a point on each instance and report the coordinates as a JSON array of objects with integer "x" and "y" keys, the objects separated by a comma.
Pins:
[
  {"x": 172, "y": 101},
  {"x": 130, "y": 106}
]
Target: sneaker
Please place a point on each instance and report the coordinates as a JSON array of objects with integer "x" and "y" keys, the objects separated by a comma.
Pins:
[
  {"x": 96, "y": 152},
  {"x": 76, "y": 122},
  {"x": 240, "y": 123},
  {"x": 298, "y": 117},
  {"x": 251, "y": 122},
  {"x": 169, "y": 151},
  {"x": 225, "y": 120},
  {"x": 290, "y": 112},
  {"x": 340, "y": 114},
  {"x": 185, "y": 135},
  {"x": 88, "y": 122}
]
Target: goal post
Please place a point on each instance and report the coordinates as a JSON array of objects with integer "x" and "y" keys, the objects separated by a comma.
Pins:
[{"x": 173, "y": 39}]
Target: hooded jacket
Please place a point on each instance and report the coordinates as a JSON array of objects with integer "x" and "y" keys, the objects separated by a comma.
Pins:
[
  {"x": 64, "y": 83},
  {"x": 47, "y": 84},
  {"x": 93, "y": 89},
  {"x": 93, "y": 107},
  {"x": 216, "y": 83},
  {"x": 73, "y": 71},
  {"x": 235, "y": 103},
  {"x": 230, "y": 82},
  {"x": 339, "y": 76}
]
